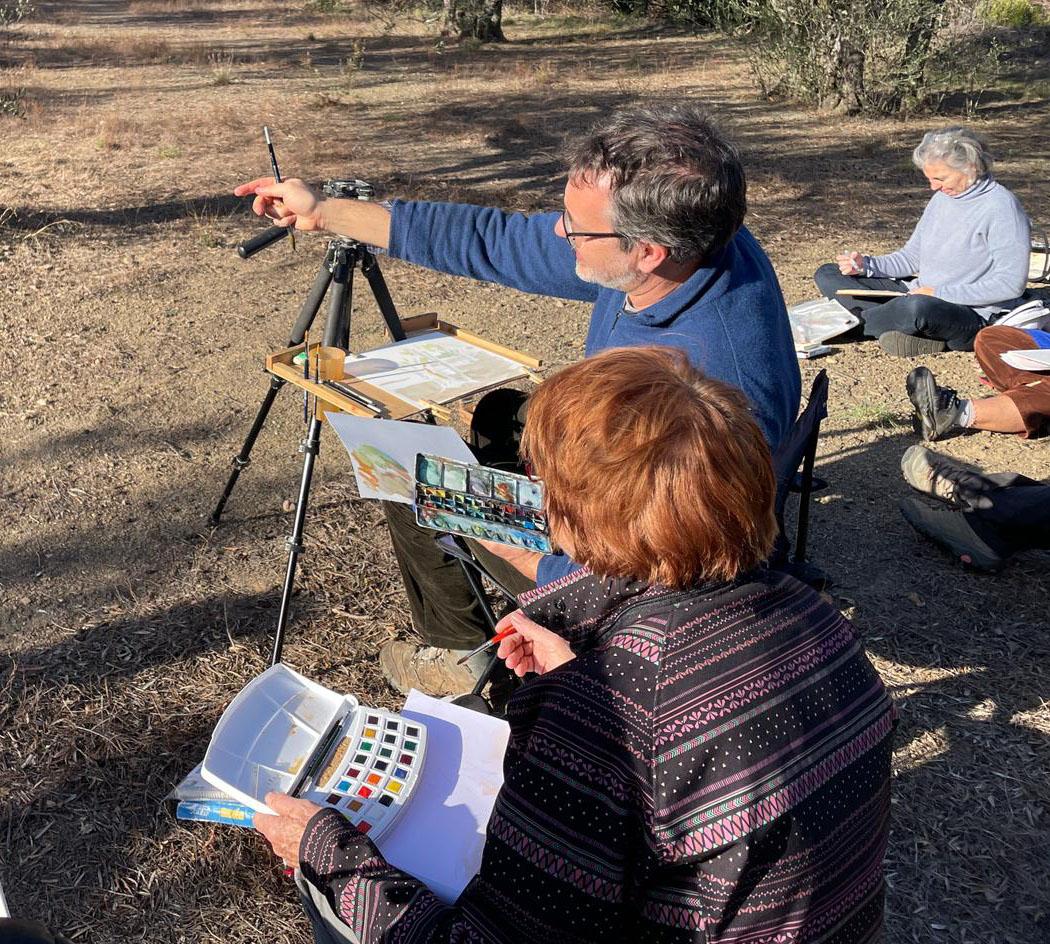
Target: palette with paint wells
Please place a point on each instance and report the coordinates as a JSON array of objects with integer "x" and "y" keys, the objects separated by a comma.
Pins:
[
  {"x": 479, "y": 502},
  {"x": 283, "y": 732}
]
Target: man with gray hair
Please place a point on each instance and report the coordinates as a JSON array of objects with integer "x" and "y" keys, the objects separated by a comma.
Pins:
[
  {"x": 966, "y": 261},
  {"x": 652, "y": 235}
]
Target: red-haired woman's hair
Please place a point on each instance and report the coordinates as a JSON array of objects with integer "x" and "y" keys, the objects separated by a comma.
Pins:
[{"x": 655, "y": 471}]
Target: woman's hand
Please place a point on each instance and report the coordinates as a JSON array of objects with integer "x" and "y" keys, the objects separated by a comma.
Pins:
[
  {"x": 284, "y": 832},
  {"x": 290, "y": 203},
  {"x": 850, "y": 263},
  {"x": 525, "y": 562},
  {"x": 532, "y": 648},
  {"x": 920, "y": 290}
]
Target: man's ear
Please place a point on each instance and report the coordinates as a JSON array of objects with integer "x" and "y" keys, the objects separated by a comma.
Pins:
[{"x": 651, "y": 255}]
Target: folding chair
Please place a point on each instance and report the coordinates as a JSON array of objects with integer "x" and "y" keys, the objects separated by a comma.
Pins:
[
  {"x": 474, "y": 570},
  {"x": 793, "y": 468}
]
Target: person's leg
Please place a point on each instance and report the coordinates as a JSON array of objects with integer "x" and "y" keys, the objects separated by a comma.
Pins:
[
  {"x": 926, "y": 317},
  {"x": 829, "y": 280},
  {"x": 997, "y": 415},
  {"x": 1024, "y": 406},
  {"x": 514, "y": 580},
  {"x": 1013, "y": 519},
  {"x": 444, "y": 610}
]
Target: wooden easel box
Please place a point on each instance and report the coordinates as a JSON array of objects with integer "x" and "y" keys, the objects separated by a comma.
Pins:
[{"x": 280, "y": 365}]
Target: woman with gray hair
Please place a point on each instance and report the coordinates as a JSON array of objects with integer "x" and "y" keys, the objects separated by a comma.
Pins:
[{"x": 966, "y": 261}]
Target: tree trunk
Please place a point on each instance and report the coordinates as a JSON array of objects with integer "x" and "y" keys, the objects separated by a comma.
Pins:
[
  {"x": 844, "y": 85},
  {"x": 475, "y": 19}
]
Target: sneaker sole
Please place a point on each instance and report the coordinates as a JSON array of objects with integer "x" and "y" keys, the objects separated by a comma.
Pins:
[
  {"x": 922, "y": 391},
  {"x": 899, "y": 344},
  {"x": 965, "y": 551}
]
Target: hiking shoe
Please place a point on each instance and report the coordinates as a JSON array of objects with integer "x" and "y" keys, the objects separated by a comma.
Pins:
[
  {"x": 429, "y": 669},
  {"x": 937, "y": 409},
  {"x": 951, "y": 531},
  {"x": 940, "y": 477},
  {"x": 899, "y": 344}
]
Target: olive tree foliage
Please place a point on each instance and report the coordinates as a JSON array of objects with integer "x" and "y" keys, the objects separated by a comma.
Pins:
[
  {"x": 13, "y": 11},
  {"x": 848, "y": 55},
  {"x": 874, "y": 56}
]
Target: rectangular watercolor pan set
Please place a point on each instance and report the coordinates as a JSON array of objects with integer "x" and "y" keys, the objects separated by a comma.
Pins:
[
  {"x": 478, "y": 502},
  {"x": 283, "y": 732}
]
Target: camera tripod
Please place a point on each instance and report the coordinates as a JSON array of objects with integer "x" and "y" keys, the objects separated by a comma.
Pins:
[{"x": 336, "y": 274}]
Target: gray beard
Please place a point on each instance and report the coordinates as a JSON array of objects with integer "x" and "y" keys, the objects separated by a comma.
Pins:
[{"x": 621, "y": 282}]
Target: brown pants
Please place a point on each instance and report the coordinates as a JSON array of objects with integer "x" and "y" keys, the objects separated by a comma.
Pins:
[{"x": 1029, "y": 391}]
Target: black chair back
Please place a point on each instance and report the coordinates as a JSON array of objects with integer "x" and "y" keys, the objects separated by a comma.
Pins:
[{"x": 793, "y": 468}]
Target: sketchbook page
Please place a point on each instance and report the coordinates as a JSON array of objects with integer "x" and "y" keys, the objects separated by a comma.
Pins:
[
  {"x": 433, "y": 366},
  {"x": 383, "y": 452},
  {"x": 194, "y": 787},
  {"x": 819, "y": 320},
  {"x": 441, "y": 833},
  {"x": 1038, "y": 360}
]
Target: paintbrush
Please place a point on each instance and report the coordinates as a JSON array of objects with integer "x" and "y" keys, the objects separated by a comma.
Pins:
[
  {"x": 488, "y": 644},
  {"x": 277, "y": 176}
]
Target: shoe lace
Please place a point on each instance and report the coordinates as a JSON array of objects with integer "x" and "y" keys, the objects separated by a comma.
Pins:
[{"x": 947, "y": 399}]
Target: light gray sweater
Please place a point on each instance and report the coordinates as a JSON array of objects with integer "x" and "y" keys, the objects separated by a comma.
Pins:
[{"x": 972, "y": 249}]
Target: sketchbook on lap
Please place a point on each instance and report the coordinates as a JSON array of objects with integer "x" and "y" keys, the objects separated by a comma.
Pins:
[
  {"x": 869, "y": 293},
  {"x": 420, "y": 783},
  {"x": 1037, "y": 360}
]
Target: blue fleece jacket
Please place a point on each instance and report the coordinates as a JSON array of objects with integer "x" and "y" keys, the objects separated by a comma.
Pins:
[
  {"x": 972, "y": 249},
  {"x": 729, "y": 317}
]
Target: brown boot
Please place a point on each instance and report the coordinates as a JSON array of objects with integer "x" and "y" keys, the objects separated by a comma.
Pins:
[{"x": 427, "y": 669}]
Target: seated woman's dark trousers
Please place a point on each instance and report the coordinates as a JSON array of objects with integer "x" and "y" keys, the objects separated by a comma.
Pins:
[
  {"x": 829, "y": 280},
  {"x": 921, "y": 315}
]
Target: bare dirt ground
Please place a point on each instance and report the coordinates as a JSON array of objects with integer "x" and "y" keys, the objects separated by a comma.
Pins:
[{"x": 133, "y": 337}]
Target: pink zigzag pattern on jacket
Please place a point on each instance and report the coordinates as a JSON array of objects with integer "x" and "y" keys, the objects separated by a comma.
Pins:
[
  {"x": 724, "y": 651},
  {"x": 644, "y": 648},
  {"x": 555, "y": 865},
  {"x": 762, "y": 686},
  {"x": 758, "y": 813},
  {"x": 365, "y": 872}
]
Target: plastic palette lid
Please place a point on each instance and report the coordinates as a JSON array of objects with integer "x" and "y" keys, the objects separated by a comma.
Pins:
[{"x": 268, "y": 733}]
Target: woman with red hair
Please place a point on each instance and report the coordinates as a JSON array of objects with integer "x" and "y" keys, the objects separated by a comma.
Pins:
[{"x": 704, "y": 751}]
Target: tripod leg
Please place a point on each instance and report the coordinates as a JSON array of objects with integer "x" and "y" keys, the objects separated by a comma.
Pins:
[
  {"x": 311, "y": 446},
  {"x": 313, "y": 302},
  {"x": 243, "y": 458},
  {"x": 370, "y": 267}
]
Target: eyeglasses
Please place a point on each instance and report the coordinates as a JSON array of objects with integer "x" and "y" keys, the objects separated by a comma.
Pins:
[{"x": 571, "y": 235}]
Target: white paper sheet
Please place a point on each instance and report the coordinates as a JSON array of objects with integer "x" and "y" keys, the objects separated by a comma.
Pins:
[
  {"x": 433, "y": 366},
  {"x": 820, "y": 320},
  {"x": 440, "y": 835},
  {"x": 1038, "y": 360},
  {"x": 383, "y": 452}
]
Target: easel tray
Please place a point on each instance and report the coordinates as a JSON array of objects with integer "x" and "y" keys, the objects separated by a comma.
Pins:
[{"x": 438, "y": 363}]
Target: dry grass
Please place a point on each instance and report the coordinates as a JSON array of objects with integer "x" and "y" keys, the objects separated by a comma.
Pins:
[{"x": 126, "y": 623}]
